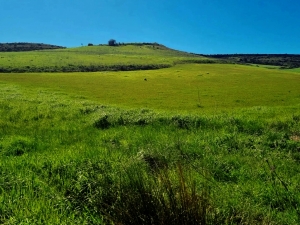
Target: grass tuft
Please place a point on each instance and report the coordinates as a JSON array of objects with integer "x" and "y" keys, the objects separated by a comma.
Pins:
[
  {"x": 17, "y": 146},
  {"x": 147, "y": 199}
]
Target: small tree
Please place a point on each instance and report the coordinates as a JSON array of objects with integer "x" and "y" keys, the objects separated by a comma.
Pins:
[{"x": 112, "y": 42}]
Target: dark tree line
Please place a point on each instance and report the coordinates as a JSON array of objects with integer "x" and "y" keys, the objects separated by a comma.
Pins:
[
  {"x": 282, "y": 60},
  {"x": 23, "y": 46}
]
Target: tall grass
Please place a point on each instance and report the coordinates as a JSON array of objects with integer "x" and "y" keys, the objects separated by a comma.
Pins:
[
  {"x": 68, "y": 160},
  {"x": 159, "y": 199}
]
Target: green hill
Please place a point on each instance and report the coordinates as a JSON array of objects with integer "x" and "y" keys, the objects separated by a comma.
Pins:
[{"x": 97, "y": 58}]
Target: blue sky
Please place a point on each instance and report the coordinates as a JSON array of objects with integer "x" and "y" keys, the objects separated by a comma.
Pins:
[{"x": 208, "y": 27}]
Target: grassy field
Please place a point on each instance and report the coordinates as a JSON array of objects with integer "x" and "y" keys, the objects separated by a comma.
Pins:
[
  {"x": 69, "y": 160},
  {"x": 297, "y": 70},
  {"x": 189, "y": 144},
  {"x": 184, "y": 88},
  {"x": 95, "y": 58}
]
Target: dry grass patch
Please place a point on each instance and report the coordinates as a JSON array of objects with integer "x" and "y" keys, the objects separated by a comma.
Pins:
[{"x": 295, "y": 137}]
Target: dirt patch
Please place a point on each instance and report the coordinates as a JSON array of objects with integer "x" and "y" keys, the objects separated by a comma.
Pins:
[{"x": 295, "y": 137}]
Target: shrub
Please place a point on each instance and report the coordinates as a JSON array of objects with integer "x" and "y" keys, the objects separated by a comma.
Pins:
[
  {"x": 102, "y": 122},
  {"x": 112, "y": 42}
]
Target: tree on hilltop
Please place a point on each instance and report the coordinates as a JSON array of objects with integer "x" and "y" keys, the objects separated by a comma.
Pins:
[{"x": 112, "y": 42}]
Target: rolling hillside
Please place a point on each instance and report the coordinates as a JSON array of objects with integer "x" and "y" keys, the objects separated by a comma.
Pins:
[
  {"x": 195, "y": 143},
  {"x": 97, "y": 58}
]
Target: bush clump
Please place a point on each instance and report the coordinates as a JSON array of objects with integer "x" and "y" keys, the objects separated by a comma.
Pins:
[{"x": 102, "y": 122}]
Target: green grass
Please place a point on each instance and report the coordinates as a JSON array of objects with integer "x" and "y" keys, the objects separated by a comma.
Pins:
[
  {"x": 189, "y": 88},
  {"x": 266, "y": 66},
  {"x": 191, "y": 144},
  {"x": 71, "y": 160},
  {"x": 297, "y": 70},
  {"x": 95, "y": 58}
]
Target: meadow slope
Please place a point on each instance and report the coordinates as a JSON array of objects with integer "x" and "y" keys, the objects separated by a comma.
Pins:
[{"x": 96, "y": 58}]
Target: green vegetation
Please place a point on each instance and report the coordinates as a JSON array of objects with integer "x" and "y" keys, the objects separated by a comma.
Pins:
[
  {"x": 297, "y": 70},
  {"x": 184, "y": 88},
  {"x": 23, "y": 46},
  {"x": 284, "y": 61},
  {"x": 97, "y": 58},
  {"x": 67, "y": 160},
  {"x": 189, "y": 144}
]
